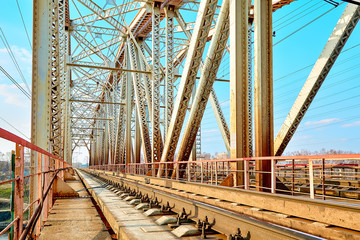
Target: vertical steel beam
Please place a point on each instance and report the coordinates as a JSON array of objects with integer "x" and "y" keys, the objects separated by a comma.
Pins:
[
  {"x": 67, "y": 108},
  {"x": 239, "y": 122},
  {"x": 57, "y": 31},
  {"x": 197, "y": 45},
  {"x": 147, "y": 82},
  {"x": 263, "y": 103},
  {"x": 208, "y": 75},
  {"x": 169, "y": 71},
  {"x": 140, "y": 102},
  {"x": 137, "y": 139},
  {"x": 322, "y": 67},
  {"x": 40, "y": 102},
  {"x": 250, "y": 97},
  {"x": 105, "y": 149},
  {"x": 121, "y": 119},
  {"x": 129, "y": 99},
  {"x": 156, "y": 136}
]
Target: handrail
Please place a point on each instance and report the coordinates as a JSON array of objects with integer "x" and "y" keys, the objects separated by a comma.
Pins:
[
  {"x": 15, "y": 139},
  {"x": 9, "y": 226},
  {"x": 320, "y": 176},
  {"x": 49, "y": 167}
]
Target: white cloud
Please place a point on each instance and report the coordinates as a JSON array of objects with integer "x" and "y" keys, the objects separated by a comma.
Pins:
[
  {"x": 210, "y": 131},
  {"x": 21, "y": 54},
  {"x": 13, "y": 96},
  {"x": 322, "y": 122},
  {"x": 354, "y": 124},
  {"x": 23, "y": 58}
]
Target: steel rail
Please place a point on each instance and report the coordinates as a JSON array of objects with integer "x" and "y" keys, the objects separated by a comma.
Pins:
[
  {"x": 310, "y": 209},
  {"x": 226, "y": 222}
]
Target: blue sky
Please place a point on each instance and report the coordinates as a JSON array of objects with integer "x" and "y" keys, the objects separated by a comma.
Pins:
[{"x": 333, "y": 120}]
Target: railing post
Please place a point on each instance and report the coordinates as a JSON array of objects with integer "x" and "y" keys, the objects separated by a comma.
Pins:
[
  {"x": 323, "y": 177},
  {"x": 50, "y": 195},
  {"x": 39, "y": 191},
  {"x": 311, "y": 179},
  {"x": 293, "y": 178},
  {"x": 62, "y": 173},
  {"x": 166, "y": 169},
  {"x": 188, "y": 171},
  {"x": 19, "y": 190},
  {"x": 246, "y": 174},
  {"x": 177, "y": 171},
  {"x": 216, "y": 174},
  {"x": 273, "y": 176},
  {"x": 211, "y": 174},
  {"x": 202, "y": 172},
  {"x": 46, "y": 183}
]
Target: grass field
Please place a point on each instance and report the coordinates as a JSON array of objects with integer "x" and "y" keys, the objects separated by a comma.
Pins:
[{"x": 5, "y": 190}]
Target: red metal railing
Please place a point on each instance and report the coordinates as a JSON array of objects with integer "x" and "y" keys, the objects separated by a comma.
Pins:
[
  {"x": 322, "y": 177},
  {"x": 48, "y": 167}
]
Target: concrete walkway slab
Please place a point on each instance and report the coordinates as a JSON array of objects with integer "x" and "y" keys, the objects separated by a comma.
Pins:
[{"x": 74, "y": 218}]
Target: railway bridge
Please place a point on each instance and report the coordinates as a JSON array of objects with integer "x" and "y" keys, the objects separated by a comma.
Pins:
[{"x": 133, "y": 82}]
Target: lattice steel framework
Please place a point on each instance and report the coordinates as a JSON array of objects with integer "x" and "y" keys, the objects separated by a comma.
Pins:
[
  {"x": 155, "y": 86},
  {"x": 108, "y": 90}
]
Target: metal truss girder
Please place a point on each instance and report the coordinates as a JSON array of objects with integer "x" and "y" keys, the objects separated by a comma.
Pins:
[
  {"x": 250, "y": 97},
  {"x": 101, "y": 14},
  {"x": 169, "y": 68},
  {"x": 109, "y": 113},
  {"x": 92, "y": 49},
  {"x": 194, "y": 6},
  {"x": 140, "y": 103},
  {"x": 147, "y": 82},
  {"x": 208, "y": 75},
  {"x": 98, "y": 66},
  {"x": 224, "y": 129},
  {"x": 322, "y": 67},
  {"x": 96, "y": 30},
  {"x": 155, "y": 86},
  {"x": 108, "y": 13},
  {"x": 55, "y": 77},
  {"x": 192, "y": 63},
  {"x": 66, "y": 103},
  {"x": 277, "y": 4},
  {"x": 220, "y": 119}
]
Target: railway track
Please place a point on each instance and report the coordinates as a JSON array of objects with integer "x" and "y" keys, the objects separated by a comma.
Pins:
[{"x": 209, "y": 215}]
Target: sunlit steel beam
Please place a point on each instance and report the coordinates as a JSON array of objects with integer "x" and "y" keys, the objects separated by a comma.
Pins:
[{"x": 322, "y": 67}]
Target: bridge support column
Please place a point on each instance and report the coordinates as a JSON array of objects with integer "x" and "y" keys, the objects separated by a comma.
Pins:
[
  {"x": 264, "y": 140},
  {"x": 169, "y": 71},
  {"x": 129, "y": 98},
  {"x": 137, "y": 139},
  {"x": 239, "y": 124},
  {"x": 40, "y": 103},
  {"x": 156, "y": 134}
]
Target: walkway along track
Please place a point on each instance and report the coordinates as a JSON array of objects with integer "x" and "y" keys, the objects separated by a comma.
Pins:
[{"x": 233, "y": 208}]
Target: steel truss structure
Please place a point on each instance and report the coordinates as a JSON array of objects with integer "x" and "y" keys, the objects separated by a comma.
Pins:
[{"x": 104, "y": 77}]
